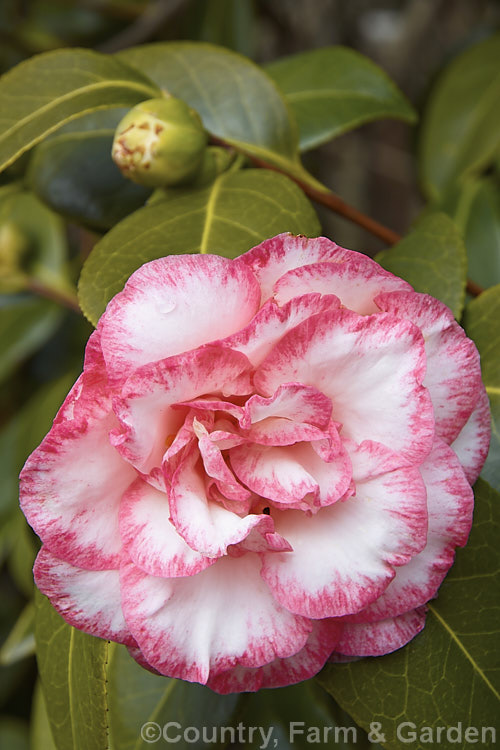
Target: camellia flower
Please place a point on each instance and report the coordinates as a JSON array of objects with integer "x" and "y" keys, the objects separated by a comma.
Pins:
[{"x": 266, "y": 463}]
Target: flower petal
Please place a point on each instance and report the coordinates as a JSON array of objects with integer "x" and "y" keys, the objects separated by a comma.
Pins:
[
  {"x": 344, "y": 556},
  {"x": 280, "y": 672},
  {"x": 87, "y": 599},
  {"x": 450, "y": 502},
  {"x": 196, "y": 627},
  {"x": 144, "y": 407},
  {"x": 453, "y": 375},
  {"x": 72, "y": 484},
  {"x": 473, "y": 441},
  {"x": 175, "y": 304},
  {"x": 205, "y": 525},
  {"x": 382, "y": 637},
  {"x": 370, "y": 367},
  {"x": 149, "y": 537},
  {"x": 273, "y": 258},
  {"x": 355, "y": 281}
]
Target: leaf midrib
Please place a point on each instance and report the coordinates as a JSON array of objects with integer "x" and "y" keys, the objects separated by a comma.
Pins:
[
  {"x": 54, "y": 103},
  {"x": 461, "y": 646}
]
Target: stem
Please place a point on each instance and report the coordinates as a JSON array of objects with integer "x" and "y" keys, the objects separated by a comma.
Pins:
[
  {"x": 334, "y": 203},
  {"x": 56, "y": 295}
]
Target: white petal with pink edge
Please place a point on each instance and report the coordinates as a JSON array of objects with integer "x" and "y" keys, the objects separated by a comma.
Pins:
[
  {"x": 473, "y": 441},
  {"x": 196, "y": 627},
  {"x": 356, "y": 282},
  {"x": 150, "y": 539},
  {"x": 382, "y": 637},
  {"x": 87, "y": 599},
  {"x": 453, "y": 375},
  {"x": 175, "y": 304},
  {"x": 270, "y": 260},
  {"x": 73, "y": 483},
  {"x": 344, "y": 556},
  {"x": 450, "y": 502},
  {"x": 370, "y": 367},
  {"x": 144, "y": 407},
  {"x": 206, "y": 526},
  {"x": 287, "y": 475},
  {"x": 281, "y": 672}
]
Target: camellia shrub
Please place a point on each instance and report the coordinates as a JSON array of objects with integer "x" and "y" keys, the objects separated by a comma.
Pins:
[{"x": 262, "y": 474}]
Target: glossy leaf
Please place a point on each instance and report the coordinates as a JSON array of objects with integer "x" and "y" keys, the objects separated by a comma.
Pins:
[
  {"x": 298, "y": 717},
  {"x": 460, "y": 127},
  {"x": 20, "y": 642},
  {"x": 72, "y": 668},
  {"x": 481, "y": 323},
  {"x": 235, "y": 213},
  {"x": 475, "y": 207},
  {"x": 432, "y": 259},
  {"x": 73, "y": 173},
  {"x": 450, "y": 673},
  {"x": 141, "y": 703},
  {"x": 236, "y": 100},
  {"x": 42, "y": 93},
  {"x": 335, "y": 89},
  {"x": 40, "y": 731},
  {"x": 25, "y": 324}
]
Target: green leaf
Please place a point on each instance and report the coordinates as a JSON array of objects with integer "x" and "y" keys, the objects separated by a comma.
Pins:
[
  {"x": 236, "y": 100},
  {"x": 481, "y": 323},
  {"x": 236, "y": 212},
  {"x": 13, "y": 734},
  {"x": 460, "y": 127},
  {"x": 72, "y": 668},
  {"x": 450, "y": 673},
  {"x": 40, "y": 731},
  {"x": 335, "y": 89},
  {"x": 20, "y": 642},
  {"x": 25, "y": 324},
  {"x": 475, "y": 207},
  {"x": 138, "y": 698},
  {"x": 432, "y": 259},
  {"x": 73, "y": 173},
  {"x": 42, "y": 93},
  {"x": 298, "y": 717}
]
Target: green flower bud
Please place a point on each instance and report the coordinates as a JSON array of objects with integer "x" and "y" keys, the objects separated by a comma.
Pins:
[
  {"x": 160, "y": 142},
  {"x": 13, "y": 246},
  {"x": 215, "y": 161}
]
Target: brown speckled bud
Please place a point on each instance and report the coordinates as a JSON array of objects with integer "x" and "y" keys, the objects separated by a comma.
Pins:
[{"x": 160, "y": 142}]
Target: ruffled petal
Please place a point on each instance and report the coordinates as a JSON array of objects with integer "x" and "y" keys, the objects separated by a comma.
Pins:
[
  {"x": 205, "y": 525},
  {"x": 144, "y": 408},
  {"x": 453, "y": 375},
  {"x": 356, "y": 282},
  {"x": 473, "y": 441},
  {"x": 370, "y": 367},
  {"x": 72, "y": 484},
  {"x": 344, "y": 556},
  {"x": 175, "y": 304},
  {"x": 87, "y": 599},
  {"x": 197, "y": 627},
  {"x": 280, "y": 672},
  {"x": 382, "y": 637},
  {"x": 150, "y": 539},
  {"x": 273, "y": 258}
]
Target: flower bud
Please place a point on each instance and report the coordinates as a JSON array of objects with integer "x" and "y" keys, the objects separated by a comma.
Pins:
[
  {"x": 13, "y": 246},
  {"x": 160, "y": 142}
]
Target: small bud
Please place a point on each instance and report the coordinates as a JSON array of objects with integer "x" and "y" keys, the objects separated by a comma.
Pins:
[
  {"x": 160, "y": 142},
  {"x": 215, "y": 161},
  {"x": 13, "y": 246}
]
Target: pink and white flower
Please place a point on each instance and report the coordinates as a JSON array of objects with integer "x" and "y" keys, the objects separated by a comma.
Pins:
[{"x": 266, "y": 462}]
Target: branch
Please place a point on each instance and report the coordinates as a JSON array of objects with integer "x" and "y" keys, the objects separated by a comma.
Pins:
[
  {"x": 334, "y": 203},
  {"x": 48, "y": 292}
]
